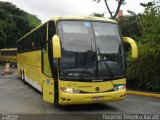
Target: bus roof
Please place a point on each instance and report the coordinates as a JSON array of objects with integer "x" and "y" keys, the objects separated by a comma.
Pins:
[
  {"x": 6, "y": 49},
  {"x": 90, "y": 18},
  {"x": 84, "y": 18}
]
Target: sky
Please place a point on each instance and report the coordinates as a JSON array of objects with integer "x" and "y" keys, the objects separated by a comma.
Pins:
[{"x": 46, "y": 9}]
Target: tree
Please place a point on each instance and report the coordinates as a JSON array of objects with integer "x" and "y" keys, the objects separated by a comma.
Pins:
[
  {"x": 144, "y": 73},
  {"x": 97, "y": 14},
  {"x": 147, "y": 5},
  {"x": 14, "y": 23},
  {"x": 129, "y": 25},
  {"x": 113, "y": 16},
  {"x": 144, "y": 28}
]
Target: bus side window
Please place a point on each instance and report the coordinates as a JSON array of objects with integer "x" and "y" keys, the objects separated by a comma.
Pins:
[
  {"x": 51, "y": 30},
  {"x": 23, "y": 44},
  {"x": 46, "y": 69},
  {"x": 36, "y": 40},
  {"x": 35, "y": 43},
  {"x": 51, "y": 33},
  {"x": 29, "y": 42},
  {"x": 23, "y": 41},
  {"x": 43, "y": 36}
]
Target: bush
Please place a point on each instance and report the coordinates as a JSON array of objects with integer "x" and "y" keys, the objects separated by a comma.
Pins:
[{"x": 145, "y": 72}]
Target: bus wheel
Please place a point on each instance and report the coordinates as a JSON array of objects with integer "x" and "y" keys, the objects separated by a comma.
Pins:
[{"x": 21, "y": 76}]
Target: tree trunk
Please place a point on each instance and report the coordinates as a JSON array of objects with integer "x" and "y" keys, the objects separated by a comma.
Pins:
[{"x": 117, "y": 10}]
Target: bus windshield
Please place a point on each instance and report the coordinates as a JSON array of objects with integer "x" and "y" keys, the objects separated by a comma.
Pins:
[{"x": 90, "y": 51}]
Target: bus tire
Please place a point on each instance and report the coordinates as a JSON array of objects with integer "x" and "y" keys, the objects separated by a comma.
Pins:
[{"x": 23, "y": 77}]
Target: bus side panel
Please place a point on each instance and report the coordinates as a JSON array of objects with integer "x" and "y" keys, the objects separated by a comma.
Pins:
[
  {"x": 48, "y": 91},
  {"x": 29, "y": 64},
  {"x": 48, "y": 82}
]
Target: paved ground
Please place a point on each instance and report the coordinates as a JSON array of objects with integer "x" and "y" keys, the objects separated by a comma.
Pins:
[{"x": 17, "y": 98}]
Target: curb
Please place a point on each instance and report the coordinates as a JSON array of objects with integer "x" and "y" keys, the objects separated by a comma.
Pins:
[{"x": 144, "y": 94}]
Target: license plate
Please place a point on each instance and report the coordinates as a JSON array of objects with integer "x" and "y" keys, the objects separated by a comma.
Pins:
[{"x": 99, "y": 98}]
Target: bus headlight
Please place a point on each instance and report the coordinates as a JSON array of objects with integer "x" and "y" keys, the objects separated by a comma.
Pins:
[
  {"x": 119, "y": 87},
  {"x": 69, "y": 90}
]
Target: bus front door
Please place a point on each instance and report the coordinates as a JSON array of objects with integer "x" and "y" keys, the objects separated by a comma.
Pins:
[{"x": 48, "y": 81}]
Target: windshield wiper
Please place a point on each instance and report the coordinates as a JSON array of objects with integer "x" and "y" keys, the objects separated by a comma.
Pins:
[{"x": 106, "y": 64}]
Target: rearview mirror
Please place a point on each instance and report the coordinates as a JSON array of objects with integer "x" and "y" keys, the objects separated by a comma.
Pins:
[
  {"x": 56, "y": 47},
  {"x": 132, "y": 43}
]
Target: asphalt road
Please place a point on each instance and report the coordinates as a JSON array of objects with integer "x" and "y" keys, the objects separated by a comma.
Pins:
[{"x": 22, "y": 102}]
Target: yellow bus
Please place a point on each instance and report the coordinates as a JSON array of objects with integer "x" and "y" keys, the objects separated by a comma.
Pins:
[
  {"x": 75, "y": 60},
  {"x": 8, "y": 55}
]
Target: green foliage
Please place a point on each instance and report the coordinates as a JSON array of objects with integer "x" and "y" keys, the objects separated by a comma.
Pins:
[
  {"x": 119, "y": 2},
  {"x": 144, "y": 73},
  {"x": 98, "y": 14},
  {"x": 32, "y": 21},
  {"x": 129, "y": 25},
  {"x": 14, "y": 23}
]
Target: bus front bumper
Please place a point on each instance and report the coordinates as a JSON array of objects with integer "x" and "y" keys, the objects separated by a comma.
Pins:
[{"x": 67, "y": 98}]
